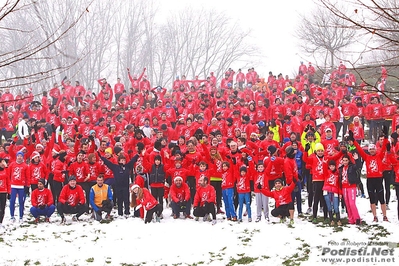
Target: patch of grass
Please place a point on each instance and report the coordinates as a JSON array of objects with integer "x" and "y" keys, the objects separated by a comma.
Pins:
[
  {"x": 27, "y": 262},
  {"x": 1, "y": 239},
  {"x": 297, "y": 258},
  {"x": 265, "y": 257},
  {"x": 90, "y": 259},
  {"x": 244, "y": 260},
  {"x": 37, "y": 263}
]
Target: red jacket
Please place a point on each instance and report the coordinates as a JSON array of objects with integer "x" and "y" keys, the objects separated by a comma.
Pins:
[
  {"x": 290, "y": 170},
  {"x": 274, "y": 167},
  {"x": 228, "y": 179},
  {"x": 37, "y": 171},
  {"x": 41, "y": 197},
  {"x": 204, "y": 194},
  {"x": 373, "y": 163},
  {"x": 72, "y": 195},
  {"x": 318, "y": 165},
  {"x": 181, "y": 193},
  {"x": 148, "y": 201},
  {"x": 331, "y": 183},
  {"x": 282, "y": 196},
  {"x": 243, "y": 184},
  {"x": 20, "y": 176},
  {"x": 80, "y": 170},
  {"x": 5, "y": 186}
]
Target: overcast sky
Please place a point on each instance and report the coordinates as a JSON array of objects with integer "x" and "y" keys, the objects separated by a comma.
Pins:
[{"x": 272, "y": 24}]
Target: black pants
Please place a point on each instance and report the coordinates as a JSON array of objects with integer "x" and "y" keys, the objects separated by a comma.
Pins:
[
  {"x": 309, "y": 188},
  {"x": 208, "y": 208},
  {"x": 3, "y": 199},
  {"x": 106, "y": 209},
  {"x": 33, "y": 187},
  {"x": 56, "y": 188},
  {"x": 346, "y": 124},
  {"x": 283, "y": 210},
  {"x": 182, "y": 206},
  {"x": 338, "y": 126},
  {"x": 158, "y": 192},
  {"x": 218, "y": 187},
  {"x": 8, "y": 134},
  {"x": 318, "y": 197},
  {"x": 86, "y": 186},
  {"x": 157, "y": 209},
  {"x": 67, "y": 209},
  {"x": 117, "y": 96},
  {"x": 388, "y": 176},
  {"x": 375, "y": 190},
  {"x": 191, "y": 184},
  {"x": 122, "y": 199},
  {"x": 397, "y": 196}
]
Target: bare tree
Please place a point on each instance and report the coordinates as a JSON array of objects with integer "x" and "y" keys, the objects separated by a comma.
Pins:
[
  {"x": 29, "y": 44},
  {"x": 377, "y": 24},
  {"x": 198, "y": 42},
  {"x": 321, "y": 33}
]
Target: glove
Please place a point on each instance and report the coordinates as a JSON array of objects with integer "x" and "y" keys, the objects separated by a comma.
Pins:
[
  {"x": 307, "y": 147},
  {"x": 76, "y": 128},
  {"x": 53, "y": 127},
  {"x": 350, "y": 137},
  {"x": 91, "y": 138},
  {"x": 388, "y": 146},
  {"x": 385, "y": 131},
  {"x": 61, "y": 127},
  {"x": 26, "y": 190},
  {"x": 249, "y": 158},
  {"x": 34, "y": 138},
  {"x": 8, "y": 196},
  {"x": 312, "y": 128},
  {"x": 307, "y": 128},
  {"x": 259, "y": 186}
]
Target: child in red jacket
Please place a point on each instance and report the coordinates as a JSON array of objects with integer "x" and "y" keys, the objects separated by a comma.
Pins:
[{"x": 244, "y": 192}]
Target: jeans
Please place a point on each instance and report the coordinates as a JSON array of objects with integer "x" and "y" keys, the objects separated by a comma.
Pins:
[
  {"x": 21, "y": 200},
  {"x": 228, "y": 195},
  {"x": 47, "y": 211},
  {"x": 332, "y": 202},
  {"x": 241, "y": 198}
]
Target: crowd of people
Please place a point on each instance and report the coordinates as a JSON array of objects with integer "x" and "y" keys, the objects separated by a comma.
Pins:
[{"x": 202, "y": 147}]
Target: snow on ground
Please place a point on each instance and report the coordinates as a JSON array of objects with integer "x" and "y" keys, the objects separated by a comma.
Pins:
[{"x": 187, "y": 242}]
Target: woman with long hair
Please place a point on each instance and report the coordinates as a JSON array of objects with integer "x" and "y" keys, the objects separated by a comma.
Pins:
[{"x": 143, "y": 198}]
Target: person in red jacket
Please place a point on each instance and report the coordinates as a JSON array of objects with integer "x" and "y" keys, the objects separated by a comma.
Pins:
[
  {"x": 374, "y": 169},
  {"x": 180, "y": 195},
  {"x": 71, "y": 200},
  {"x": 282, "y": 195},
  {"x": 42, "y": 202},
  {"x": 332, "y": 192},
  {"x": 5, "y": 188},
  {"x": 141, "y": 197},
  {"x": 37, "y": 170},
  {"x": 228, "y": 182},
  {"x": 80, "y": 170},
  {"x": 20, "y": 181},
  {"x": 244, "y": 191},
  {"x": 204, "y": 201}
]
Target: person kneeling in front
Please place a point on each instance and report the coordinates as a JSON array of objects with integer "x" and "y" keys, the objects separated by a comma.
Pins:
[
  {"x": 42, "y": 202},
  {"x": 101, "y": 199},
  {"x": 71, "y": 200},
  {"x": 180, "y": 194}
]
